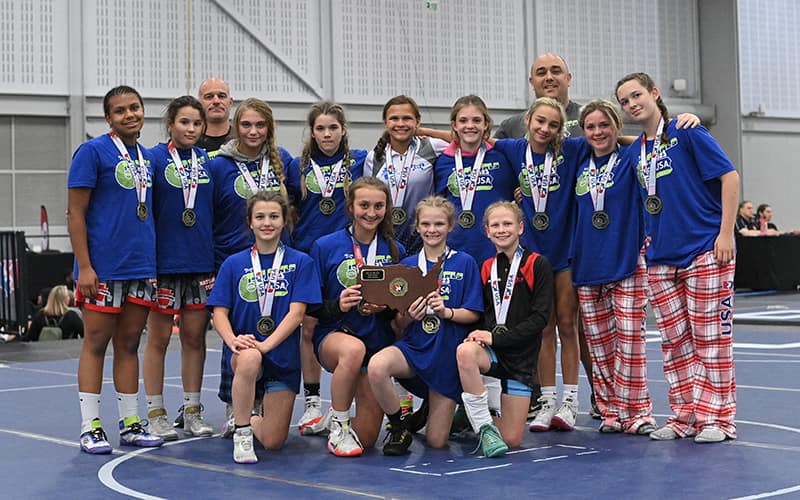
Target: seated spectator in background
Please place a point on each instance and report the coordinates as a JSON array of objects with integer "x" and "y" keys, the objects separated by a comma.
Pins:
[
  {"x": 764, "y": 213},
  {"x": 745, "y": 221},
  {"x": 56, "y": 312}
]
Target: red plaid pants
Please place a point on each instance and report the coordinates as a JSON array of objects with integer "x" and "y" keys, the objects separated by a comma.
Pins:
[{"x": 694, "y": 311}]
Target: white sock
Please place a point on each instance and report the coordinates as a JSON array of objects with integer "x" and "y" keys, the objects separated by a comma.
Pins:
[
  {"x": 340, "y": 416},
  {"x": 155, "y": 402},
  {"x": 90, "y": 409},
  {"x": 128, "y": 405},
  {"x": 493, "y": 391},
  {"x": 477, "y": 408},
  {"x": 549, "y": 392},
  {"x": 570, "y": 394},
  {"x": 191, "y": 399}
]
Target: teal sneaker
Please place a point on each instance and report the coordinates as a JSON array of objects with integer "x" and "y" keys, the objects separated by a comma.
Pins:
[{"x": 492, "y": 443}]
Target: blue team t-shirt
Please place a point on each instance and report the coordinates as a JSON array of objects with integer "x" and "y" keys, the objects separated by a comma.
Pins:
[
  {"x": 553, "y": 242},
  {"x": 312, "y": 223},
  {"x": 688, "y": 169},
  {"x": 121, "y": 247},
  {"x": 235, "y": 290},
  {"x": 231, "y": 191},
  {"x": 495, "y": 183},
  {"x": 333, "y": 255},
  {"x": 607, "y": 255},
  {"x": 433, "y": 356},
  {"x": 181, "y": 249}
]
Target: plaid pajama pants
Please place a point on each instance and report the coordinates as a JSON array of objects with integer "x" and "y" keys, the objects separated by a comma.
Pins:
[
  {"x": 614, "y": 319},
  {"x": 694, "y": 311}
]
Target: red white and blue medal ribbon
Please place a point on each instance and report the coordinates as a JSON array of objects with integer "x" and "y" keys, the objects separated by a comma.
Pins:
[
  {"x": 265, "y": 175},
  {"x": 398, "y": 185},
  {"x": 503, "y": 303},
  {"x": 467, "y": 185},
  {"x": 266, "y": 285},
  {"x": 597, "y": 181},
  {"x": 539, "y": 191},
  {"x": 138, "y": 172},
  {"x": 327, "y": 185},
  {"x": 188, "y": 179},
  {"x": 649, "y": 171}
]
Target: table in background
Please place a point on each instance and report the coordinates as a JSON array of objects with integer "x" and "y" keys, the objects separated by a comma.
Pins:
[{"x": 768, "y": 262}]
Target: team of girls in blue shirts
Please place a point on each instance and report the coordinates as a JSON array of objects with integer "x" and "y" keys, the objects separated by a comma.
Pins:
[{"x": 233, "y": 215}]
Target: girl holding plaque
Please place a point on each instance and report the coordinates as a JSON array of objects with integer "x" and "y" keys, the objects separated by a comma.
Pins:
[
  {"x": 431, "y": 329},
  {"x": 690, "y": 272},
  {"x": 518, "y": 293},
  {"x": 259, "y": 299},
  {"x": 608, "y": 269},
  {"x": 472, "y": 174},
  {"x": 113, "y": 237},
  {"x": 248, "y": 163},
  {"x": 318, "y": 181},
  {"x": 350, "y": 331},
  {"x": 183, "y": 211},
  {"x": 405, "y": 163}
]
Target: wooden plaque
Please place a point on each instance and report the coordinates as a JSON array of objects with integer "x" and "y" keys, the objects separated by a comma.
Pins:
[{"x": 397, "y": 286}]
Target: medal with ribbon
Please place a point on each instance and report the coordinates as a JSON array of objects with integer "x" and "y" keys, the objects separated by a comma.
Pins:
[
  {"x": 652, "y": 203},
  {"x": 265, "y": 287},
  {"x": 327, "y": 205},
  {"x": 138, "y": 172},
  {"x": 540, "y": 190},
  {"x": 359, "y": 257},
  {"x": 597, "y": 190},
  {"x": 467, "y": 186},
  {"x": 502, "y": 303},
  {"x": 431, "y": 322},
  {"x": 188, "y": 183},
  {"x": 266, "y": 177},
  {"x": 398, "y": 185}
]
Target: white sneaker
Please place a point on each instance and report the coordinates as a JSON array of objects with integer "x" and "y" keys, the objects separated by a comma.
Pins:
[
  {"x": 243, "y": 452},
  {"x": 318, "y": 426},
  {"x": 564, "y": 418},
  {"x": 710, "y": 435},
  {"x": 544, "y": 418},
  {"x": 194, "y": 424},
  {"x": 160, "y": 426},
  {"x": 312, "y": 421},
  {"x": 343, "y": 441},
  {"x": 228, "y": 427}
]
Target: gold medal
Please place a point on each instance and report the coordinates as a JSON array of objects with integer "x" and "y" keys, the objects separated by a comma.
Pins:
[
  {"x": 141, "y": 211},
  {"x": 266, "y": 325},
  {"x": 189, "y": 217},
  {"x": 499, "y": 330},
  {"x": 327, "y": 206},
  {"x": 541, "y": 221},
  {"x": 653, "y": 204},
  {"x": 431, "y": 324},
  {"x": 466, "y": 219},
  {"x": 600, "y": 219},
  {"x": 399, "y": 216}
]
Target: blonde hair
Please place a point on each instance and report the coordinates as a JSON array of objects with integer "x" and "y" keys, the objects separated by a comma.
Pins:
[
  {"x": 437, "y": 202},
  {"x": 606, "y": 107},
  {"x": 562, "y": 118},
  {"x": 509, "y": 205},
  {"x": 58, "y": 301}
]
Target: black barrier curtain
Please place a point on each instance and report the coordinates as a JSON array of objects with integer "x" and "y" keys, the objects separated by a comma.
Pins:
[{"x": 12, "y": 296}]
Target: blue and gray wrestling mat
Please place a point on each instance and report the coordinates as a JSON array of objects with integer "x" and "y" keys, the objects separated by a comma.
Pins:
[{"x": 39, "y": 421}]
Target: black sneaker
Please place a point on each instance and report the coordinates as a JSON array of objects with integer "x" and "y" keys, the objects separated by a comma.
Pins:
[
  {"x": 417, "y": 420},
  {"x": 178, "y": 423},
  {"x": 594, "y": 411},
  {"x": 398, "y": 443}
]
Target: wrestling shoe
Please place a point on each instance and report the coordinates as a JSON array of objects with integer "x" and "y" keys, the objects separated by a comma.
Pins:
[
  {"x": 564, "y": 418},
  {"x": 460, "y": 425},
  {"x": 194, "y": 424},
  {"x": 228, "y": 427},
  {"x": 95, "y": 441},
  {"x": 311, "y": 421},
  {"x": 492, "y": 443},
  {"x": 159, "y": 425},
  {"x": 398, "y": 443},
  {"x": 243, "y": 452},
  {"x": 594, "y": 410},
  {"x": 343, "y": 441},
  {"x": 133, "y": 433},
  {"x": 543, "y": 419}
]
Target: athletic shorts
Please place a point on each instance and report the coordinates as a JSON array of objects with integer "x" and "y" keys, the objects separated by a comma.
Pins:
[
  {"x": 176, "y": 292},
  {"x": 112, "y": 295},
  {"x": 510, "y": 386}
]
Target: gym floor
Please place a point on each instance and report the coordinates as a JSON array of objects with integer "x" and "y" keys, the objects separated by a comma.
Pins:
[{"x": 40, "y": 420}]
